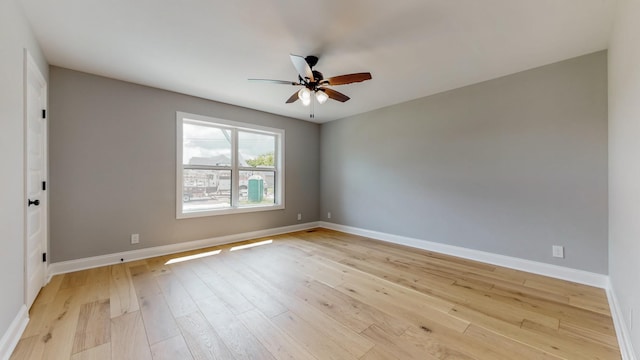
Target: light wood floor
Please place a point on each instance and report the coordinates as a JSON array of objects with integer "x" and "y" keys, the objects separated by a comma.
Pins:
[{"x": 316, "y": 295}]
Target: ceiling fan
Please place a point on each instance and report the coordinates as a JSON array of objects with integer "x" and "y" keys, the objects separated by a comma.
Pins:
[{"x": 313, "y": 82}]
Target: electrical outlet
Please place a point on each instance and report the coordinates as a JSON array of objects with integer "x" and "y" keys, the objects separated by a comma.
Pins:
[
  {"x": 135, "y": 239},
  {"x": 558, "y": 251},
  {"x": 329, "y": 215},
  {"x": 299, "y": 216}
]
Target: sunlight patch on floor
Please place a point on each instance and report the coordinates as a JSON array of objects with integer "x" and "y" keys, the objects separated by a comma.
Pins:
[
  {"x": 192, "y": 257},
  {"x": 246, "y": 246}
]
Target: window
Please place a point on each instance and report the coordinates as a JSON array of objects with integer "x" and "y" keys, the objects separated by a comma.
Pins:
[{"x": 226, "y": 167}]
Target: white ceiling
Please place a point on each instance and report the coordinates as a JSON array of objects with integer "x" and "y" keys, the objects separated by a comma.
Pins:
[{"x": 413, "y": 48}]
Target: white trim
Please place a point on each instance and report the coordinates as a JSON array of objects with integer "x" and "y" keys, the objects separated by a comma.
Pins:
[
  {"x": 622, "y": 331},
  {"x": 11, "y": 337},
  {"x": 126, "y": 256},
  {"x": 559, "y": 272}
]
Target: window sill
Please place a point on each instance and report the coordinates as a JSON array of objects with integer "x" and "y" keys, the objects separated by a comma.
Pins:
[{"x": 242, "y": 210}]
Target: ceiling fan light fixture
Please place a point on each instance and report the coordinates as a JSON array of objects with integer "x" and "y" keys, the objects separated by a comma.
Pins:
[
  {"x": 305, "y": 96},
  {"x": 321, "y": 96},
  {"x": 312, "y": 81}
]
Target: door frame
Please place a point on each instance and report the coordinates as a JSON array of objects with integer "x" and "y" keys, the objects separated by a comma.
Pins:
[{"x": 30, "y": 66}]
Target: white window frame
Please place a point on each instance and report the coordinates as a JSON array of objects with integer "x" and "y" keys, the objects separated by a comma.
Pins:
[{"x": 234, "y": 126}]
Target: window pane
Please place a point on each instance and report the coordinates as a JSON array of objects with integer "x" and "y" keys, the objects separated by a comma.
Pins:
[
  {"x": 205, "y": 145},
  {"x": 205, "y": 190},
  {"x": 257, "y": 188},
  {"x": 256, "y": 149}
]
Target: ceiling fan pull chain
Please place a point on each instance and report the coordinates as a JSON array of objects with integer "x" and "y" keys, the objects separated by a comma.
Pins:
[{"x": 312, "y": 114}]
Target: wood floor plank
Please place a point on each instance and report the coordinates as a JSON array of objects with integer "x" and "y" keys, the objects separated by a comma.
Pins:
[
  {"x": 349, "y": 311},
  {"x": 566, "y": 288},
  {"x": 222, "y": 288},
  {"x": 94, "y": 326},
  {"x": 27, "y": 348},
  {"x": 390, "y": 345},
  {"x": 240, "y": 341},
  {"x": 422, "y": 343},
  {"x": 259, "y": 298},
  {"x": 158, "y": 319},
  {"x": 281, "y": 261},
  {"x": 314, "y": 339},
  {"x": 549, "y": 342},
  {"x": 279, "y": 344},
  {"x": 144, "y": 282},
  {"x": 507, "y": 346},
  {"x": 59, "y": 327},
  {"x": 176, "y": 296},
  {"x": 158, "y": 265},
  {"x": 196, "y": 288},
  {"x": 37, "y": 315},
  {"x": 378, "y": 352},
  {"x": 561, "y": 310},
  {"x": 171, "y": 349},
  {"x": 129, "y": 338},
  {"x": 122, "y": 297},
  {"x": 591, "y": 303},
  {"x": 334, "y": 329},
  {"x": 74, "y": 279},
  {"x": 97, "y": 288},
  {"x": 202, "y": 340},
  {"x": 589, "y": 334},
  {"x": 100, "y": 352},
  {"x": 48, "y": 293},
  {"x": 410, "y": 308}
]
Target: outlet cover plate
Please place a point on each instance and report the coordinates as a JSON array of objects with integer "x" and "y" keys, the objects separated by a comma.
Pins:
[{"x": 558, "y": 251}]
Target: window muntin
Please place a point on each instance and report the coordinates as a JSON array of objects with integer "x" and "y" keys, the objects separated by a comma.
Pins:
[{"x": 227, "y": 167}]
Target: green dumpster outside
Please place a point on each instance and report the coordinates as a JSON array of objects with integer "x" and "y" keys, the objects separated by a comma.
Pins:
[{"x": 256, "y": 189}]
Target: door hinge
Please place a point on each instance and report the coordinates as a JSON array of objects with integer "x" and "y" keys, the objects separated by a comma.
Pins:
[
  {"x": 44, "y": 185},
  {"x": 44, "y": 257},
  {"x": 44, "y": 113}
]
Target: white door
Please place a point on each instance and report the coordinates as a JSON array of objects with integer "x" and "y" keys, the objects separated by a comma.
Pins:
[{"x": 36, "y": 171}]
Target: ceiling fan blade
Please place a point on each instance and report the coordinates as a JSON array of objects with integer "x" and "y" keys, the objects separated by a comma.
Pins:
[
  {"x": 284, "y": 82},
  {"x": 335, "y": 95},
  {"x": 347, "y": 79},
  {"x": 293, "y": 98},
  {"x": 302, "y": 67}
]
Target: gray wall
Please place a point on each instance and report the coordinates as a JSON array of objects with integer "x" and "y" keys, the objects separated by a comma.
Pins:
[
  {"x": 113, "y": 163},
  {"x": 624, "y": 174},
  {"x": 510, "y": 166},
  {"x": 15, "y": 36}
]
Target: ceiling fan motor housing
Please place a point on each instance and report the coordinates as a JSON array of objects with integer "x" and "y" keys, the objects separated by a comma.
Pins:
[
  {"x": 311, "y": 60},
  {"x": 317, "y": 76}
]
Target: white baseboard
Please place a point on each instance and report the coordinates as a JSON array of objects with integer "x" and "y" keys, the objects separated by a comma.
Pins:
[
  {"x": 559, "y": 272},
  {"x": 110, "y": 259},
  {"x": 622, "y": 331},
  {"x": 11, "y": 337}
]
